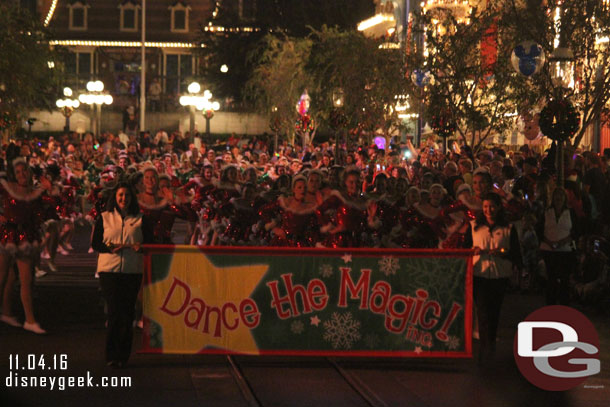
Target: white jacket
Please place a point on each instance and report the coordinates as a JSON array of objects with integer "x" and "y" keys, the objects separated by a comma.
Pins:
[
  {"x": 557, "y": 229},
  {"x": 486, "y": 265},
  {"x": 118, "y": 230}
]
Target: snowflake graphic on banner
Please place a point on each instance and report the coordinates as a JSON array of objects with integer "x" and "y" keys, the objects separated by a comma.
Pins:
[
  {"x": 453, "y": 342},
  {"x": 297, "y": 327},
  {"x": 388, "y": 265},
  {"x": 326, "y": 270},
  {"x": 342, "y": 330}
]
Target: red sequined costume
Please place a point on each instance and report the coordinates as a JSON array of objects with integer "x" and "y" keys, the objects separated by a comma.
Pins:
[
  {"x": 350, "y": 216},
  {"x": 452, "y": 218},
  {"x": 21, "y": 220},
  {"x": 67, "y": 199},
  {"x": 389, "y": 215},
  {"x": 96, "y": 198},
  {"x": 420, "y": 230},
  {"x": 300, "y": 227},
  {"x": 240, "y": 222},
  {"x": 416, "y": 230},
  {"x": 161, "y": 217}
]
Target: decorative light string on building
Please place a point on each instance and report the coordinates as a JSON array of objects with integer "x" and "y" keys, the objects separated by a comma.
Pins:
[
  {"x": 87, "y": 43},
  {"x": 47, "y": 20}
]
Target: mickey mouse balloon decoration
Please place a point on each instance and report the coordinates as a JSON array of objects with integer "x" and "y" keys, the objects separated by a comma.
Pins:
[
  {"x": 422, "y": 78},
  {"x": 527, "y": 58}
]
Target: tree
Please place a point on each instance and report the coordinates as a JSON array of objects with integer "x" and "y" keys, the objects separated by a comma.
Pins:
[
  {"x": 370, "y": 77},
  {"x": 474, "y": 89},
  {"x": 236, "y": 48},
  {"x": 584, "y": 26},
  {"x": 29, "y": 68},
  {"x": 278, "y": 79},
  {"x": 228, "y": 48},
  {"x": 327, "y": 59}
]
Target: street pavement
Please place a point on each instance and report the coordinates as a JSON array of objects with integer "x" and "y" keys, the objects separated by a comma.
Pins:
[{"x": 68, "y": 305}]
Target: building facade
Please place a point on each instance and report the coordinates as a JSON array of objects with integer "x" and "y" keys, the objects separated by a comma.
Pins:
[{"x": 103, "y": 39}]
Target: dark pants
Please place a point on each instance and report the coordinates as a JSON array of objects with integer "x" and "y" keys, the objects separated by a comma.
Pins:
[
  {"x": 120, "y": 290},
  {"x": 559, "y": 265},
  {"x": 488, "y": 296}
]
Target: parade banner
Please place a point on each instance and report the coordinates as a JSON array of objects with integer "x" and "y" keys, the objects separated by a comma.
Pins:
[{"x": 323, "y": 302}]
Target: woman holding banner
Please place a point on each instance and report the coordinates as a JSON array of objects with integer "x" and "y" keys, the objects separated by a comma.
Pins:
[
  {"x": 117, "y": 236},
  {"x": 496, "y": 251}
]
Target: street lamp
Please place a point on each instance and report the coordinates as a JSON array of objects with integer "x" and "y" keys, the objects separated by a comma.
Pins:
[
  {"x": 196, "y": 101},
  {"x": 338, "y": 98},
  {"x": 338, "y": 118},
  {"x": 97, "y": 97},
  {"x": 562, "y": 75},
  {"x": 562, "y": 67},
  {"x": 274, "y": 125},
  {"x": 208, "y": 112},
  {"x": 66, "y": 107},
  {"x": 191, "y": 100}
]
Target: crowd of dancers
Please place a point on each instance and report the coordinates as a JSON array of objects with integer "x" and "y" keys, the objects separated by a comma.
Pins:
[{"x": 244, "y": 194}]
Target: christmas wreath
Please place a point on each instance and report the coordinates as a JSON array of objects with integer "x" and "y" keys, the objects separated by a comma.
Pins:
[
  {"x": 304, "y": 123},
  {"x": 6, "y": 120},
  {"x": 442, "y": 124},
  {"x": 559, "y": 120}
]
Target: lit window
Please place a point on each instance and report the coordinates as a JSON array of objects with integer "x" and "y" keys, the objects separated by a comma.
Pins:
[
  {"x": 179, "y": 17},
  {"x": 130, "y": 12},
  {"x": 78, "y": 16}
]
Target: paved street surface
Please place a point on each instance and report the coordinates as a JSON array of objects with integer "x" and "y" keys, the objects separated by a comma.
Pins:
[{"x": 69, "y": 307}]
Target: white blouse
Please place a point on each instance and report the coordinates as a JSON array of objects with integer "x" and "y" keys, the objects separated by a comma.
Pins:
[{"x": 556, "y": 229}]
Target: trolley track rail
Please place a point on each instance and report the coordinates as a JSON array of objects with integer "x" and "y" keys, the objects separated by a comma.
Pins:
[{"x": 248, "y": 391}]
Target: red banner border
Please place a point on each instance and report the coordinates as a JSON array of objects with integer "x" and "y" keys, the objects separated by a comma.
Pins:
[{"x": 291, "y": 251}]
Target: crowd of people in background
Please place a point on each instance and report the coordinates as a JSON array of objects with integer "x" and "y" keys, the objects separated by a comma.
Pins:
[{"x": 243, "y": 192}]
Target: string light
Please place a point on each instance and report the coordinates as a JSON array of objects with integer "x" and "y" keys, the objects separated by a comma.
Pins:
[
  {"x": 87, "y": 43},
  {"x": 47, "y": 20},
  {"x": 375, "y": 20},
  {"x": 212, "y": 28}
]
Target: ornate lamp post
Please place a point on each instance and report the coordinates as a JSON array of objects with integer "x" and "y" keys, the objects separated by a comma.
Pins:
[
  {"x": 66, "y": 106},
  {"x": 191, "y": 101},
  {"x": 562, "y": 67},
  {"x": 274, "y": 125},
  {"x": 96, "y": 97},
  {"x": 338, "y": 119},
  {"x": 559, "y": 120},
  {"x": 196, "y": 101},
  {"x": 208, "y": 110}
]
